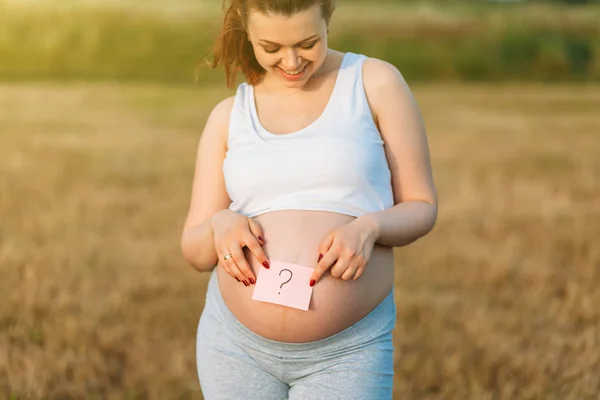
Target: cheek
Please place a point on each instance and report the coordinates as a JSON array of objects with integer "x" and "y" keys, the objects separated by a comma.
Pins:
[{"x": 319, "y": 52}]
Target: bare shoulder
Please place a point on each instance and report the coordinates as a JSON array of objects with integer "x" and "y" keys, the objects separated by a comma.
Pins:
[
  {"x": 225, "y": 106},
  {"x": 385, "y": 88},
  {"x": 381, "y": 72},
  {"x": 208, "y": 190},
  {"x": 380, "y": 76},
  {"x": 402, "y": 130},
  {"x": 218, "y": 120}
]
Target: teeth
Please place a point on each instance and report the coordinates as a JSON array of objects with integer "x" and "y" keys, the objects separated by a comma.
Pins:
[{"x": 295, "y": 72}]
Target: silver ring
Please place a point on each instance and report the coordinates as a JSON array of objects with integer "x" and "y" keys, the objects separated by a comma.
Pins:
[{"x": 227, "y": 256}]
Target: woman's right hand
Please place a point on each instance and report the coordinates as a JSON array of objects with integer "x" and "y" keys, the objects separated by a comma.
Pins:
[{"x": 231, "y": 232}]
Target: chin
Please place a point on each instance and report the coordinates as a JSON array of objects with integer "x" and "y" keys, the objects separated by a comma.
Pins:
[{"x": 293, "y": 84}]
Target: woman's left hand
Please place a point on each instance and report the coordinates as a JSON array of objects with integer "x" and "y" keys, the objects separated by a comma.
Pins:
[{"x": 346, "y": 250}]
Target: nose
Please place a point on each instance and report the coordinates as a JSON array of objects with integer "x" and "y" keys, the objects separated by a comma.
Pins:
[{"x": 291, "y": 60}]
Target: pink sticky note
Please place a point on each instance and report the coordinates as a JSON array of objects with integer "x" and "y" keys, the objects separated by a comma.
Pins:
[{"x": 284, "y": 283}]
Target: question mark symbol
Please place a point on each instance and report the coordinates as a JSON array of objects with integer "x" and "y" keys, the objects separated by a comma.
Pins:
[{"x": 291, "y": 274}]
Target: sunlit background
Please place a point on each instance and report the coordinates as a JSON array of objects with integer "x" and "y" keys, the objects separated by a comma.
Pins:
[{"x": 100, "y": 118}]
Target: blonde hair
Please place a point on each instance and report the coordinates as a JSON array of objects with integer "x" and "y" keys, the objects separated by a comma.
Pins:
[{"x": 232, "y": 48}]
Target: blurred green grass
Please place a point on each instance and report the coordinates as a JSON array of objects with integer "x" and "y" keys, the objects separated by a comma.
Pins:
[{"x": 163, "y": 41}]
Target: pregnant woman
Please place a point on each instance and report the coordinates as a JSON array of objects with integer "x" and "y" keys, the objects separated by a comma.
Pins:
[{"x": 321, "y": 161}]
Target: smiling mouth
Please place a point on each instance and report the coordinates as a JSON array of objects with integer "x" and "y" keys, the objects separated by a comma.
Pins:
[{"x": 294, "y": 72}]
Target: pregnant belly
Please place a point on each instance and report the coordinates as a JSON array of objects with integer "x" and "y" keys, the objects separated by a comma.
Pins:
[{"x": 294, "y": 236}]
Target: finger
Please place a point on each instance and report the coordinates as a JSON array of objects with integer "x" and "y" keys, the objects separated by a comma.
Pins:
[
  {"x": 359, "y": 272},
  {"x": 340, "y": 266},
  {"x": 257, "y": 250},
  {"x": 256, "y": 231},
  {"x": 223, "y": 265},
  {"x": 328, "y": 259},
  {"x": 350, "y": 272},
  {"x": 240, "y": 260},
  {"x": 228, "y": 269},
  {"x": 230, "y": 266},
  {"x": 345, "y": 260},
  {"x": 323, "y": 265},
  {"x": 326, "y": 243}
]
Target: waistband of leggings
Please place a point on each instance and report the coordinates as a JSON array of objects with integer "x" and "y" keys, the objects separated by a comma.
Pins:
[{"x": 381, "y": 318}]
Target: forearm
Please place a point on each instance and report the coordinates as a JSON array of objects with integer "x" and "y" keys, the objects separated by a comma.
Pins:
[
  {"x": 402, "y": 224},
  {"x": 198, "y": 248}
]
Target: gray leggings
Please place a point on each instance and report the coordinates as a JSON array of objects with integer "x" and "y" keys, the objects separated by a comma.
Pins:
[{"x": 236, "y": 363}]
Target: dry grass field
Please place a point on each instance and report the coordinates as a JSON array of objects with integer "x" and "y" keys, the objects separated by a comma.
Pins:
[{"x": 500, "y": 301}]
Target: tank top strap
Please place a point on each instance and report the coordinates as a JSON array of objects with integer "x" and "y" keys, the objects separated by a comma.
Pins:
[
  {"x": 348, "y": 72},
  {"x": 343, "y": 85},
  {"x": 351, "y": 85},
  {"x": 351, "y": 103},
  {"x": 240, "y": 119}
]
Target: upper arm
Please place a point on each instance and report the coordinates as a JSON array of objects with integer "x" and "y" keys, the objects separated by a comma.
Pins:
[
  {"x": 402, "y": 130},
  {"x": 208, "y": 189}
]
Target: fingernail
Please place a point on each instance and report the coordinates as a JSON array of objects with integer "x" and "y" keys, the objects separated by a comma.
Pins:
[
  {"x": 312, "y": 282},
  {"x": 237, "y": 279},
  {"x": 252, "y": 281},
  {"x": 320, "y": 256},
  {"x": 266, "y": 264},
  {"x": 261, "y": 239},
  {"x": 245, "y": 283}
]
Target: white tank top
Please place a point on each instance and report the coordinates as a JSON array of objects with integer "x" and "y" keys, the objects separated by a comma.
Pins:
[{"x": 336, "y": 164}]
